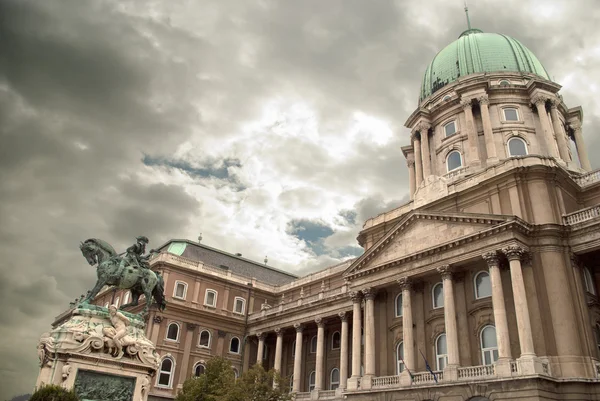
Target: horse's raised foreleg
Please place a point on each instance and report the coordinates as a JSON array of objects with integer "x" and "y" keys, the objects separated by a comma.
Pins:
[{"x": 99, "y": 284}]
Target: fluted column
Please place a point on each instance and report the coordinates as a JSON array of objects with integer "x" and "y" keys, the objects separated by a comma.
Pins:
[
  {"x": 278, "y": 349},
  {"x": 584, "y": 162},
  {"x": 514, "y": 253},
  {"x": 490, "y": 145},
  {"x": 450, "y": 315},
  {"x": 369, "y": 294},
  {"x": 298, "y": 358},
  {"x": 472, "y": 136},
  {"x": 500, "y": 321},
  {"x": 320, "y": 353},
  {"x": 540, "y": 103},
  {"x": 423, "y": 128},
  {"x": 418, "y": 161},
  {"x": 407, "y": 323},
  {"x": 411, "y": 177},
  {"x": 344, "y": 351},
  {"x": 356, "y": 333},
  {"x": 261, "y": 347},
  {"x": 561, "y": 139}
]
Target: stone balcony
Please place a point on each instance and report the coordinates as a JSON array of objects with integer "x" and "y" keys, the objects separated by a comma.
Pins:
[
  {"x": 588, "y": 179},
  {"x": 582, "y": 216}
]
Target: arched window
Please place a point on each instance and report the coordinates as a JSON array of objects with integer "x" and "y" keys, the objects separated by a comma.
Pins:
[
  {"x": 334, "y": 379},
  {"x": 199, "y": 369},
  {"x": 204, "y": 339},
  {"x": 441, "y": 352},
  {"x": 453, "y": 160},
  {"x": 489, "y": 345},
  {"x": 598, "y": 337},
  {"x": 234, "y": 345},
  {"x": 511, "y": 114},
  {"x": 180, "y": 290},
  {"x": 399, "y": 357},
  {"x": 117, "y": 301},
  {"x": 293, "y": 348},
  {"x": 483, "y": 285},
  {"x": 173, "y": 332},
  {"x": 291, "y": 382},
  {"x": 313, "y": 345},
  {"x": 336, "y": 340},
  {"x": 517, "y": 147},
  {"x": 450, "y": 128},
  {"x": 589, "y": 281},
  {"x": 398, "y": 305},
  {"x": 165, "y": 373},
  {"x": 446, "y": 98},
  {"x": 210, "y": 298},
  {"x": 239, "y": 305},
  {"x": 437, "y": 292},
  {"x": 126, "y": 297},
  {"x": 504, "y": 82},
  {"x": 311, "y": 380}
]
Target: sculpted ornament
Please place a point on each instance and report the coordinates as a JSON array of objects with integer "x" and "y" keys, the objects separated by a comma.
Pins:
[
  {"x": 491, "y": 259},
  {"x": 539, "y": 99},
  {"x": 145, "y": 386},
  {"x": 466, "y": 103},
  {"x": 405, "y": 283},
  {"x": 423, "y": 126},
  {"x": 343, "y": 316},
  {"x": 484, "y": 100},
  {"x": 445, "y": 271},
  {"x": 575, "y": 125},
  {"x": 514, "y": 252},
  {"x": 369, "y": 293},
  {"x": 355, "y": 296},
  {"x": 299, "y": 327}
]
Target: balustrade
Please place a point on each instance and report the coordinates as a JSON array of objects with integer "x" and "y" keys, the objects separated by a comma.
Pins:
[
  {"x": 472, "y": 372},
  {"x": 588, "y": 179},
  {"x": 427, "y": 378},
  {"x": 386, "y": 381},
  {"x": 581, "y": 215}
]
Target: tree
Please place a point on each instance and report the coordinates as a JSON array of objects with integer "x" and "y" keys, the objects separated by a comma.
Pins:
[
  {"x": 257, "y": 385},
  {"x": 213, "y": 385},
  {"x": 53, "y": 393}
]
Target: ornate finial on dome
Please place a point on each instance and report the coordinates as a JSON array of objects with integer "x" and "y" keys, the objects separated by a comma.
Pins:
[{"x": 467, "y": 12}]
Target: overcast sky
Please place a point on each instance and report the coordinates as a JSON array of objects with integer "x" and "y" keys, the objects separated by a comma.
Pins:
[{"x": 272, "y": 127}]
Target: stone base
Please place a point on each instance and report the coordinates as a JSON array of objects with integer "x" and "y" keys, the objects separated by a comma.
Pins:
[
  {"x": 353, "y": 383},
  {"x": 82, "y": 354}
]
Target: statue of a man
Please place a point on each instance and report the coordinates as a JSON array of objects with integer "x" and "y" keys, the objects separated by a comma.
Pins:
[
  {"x": 134, "y": 254},
  {"x": 120, "y": 323}
]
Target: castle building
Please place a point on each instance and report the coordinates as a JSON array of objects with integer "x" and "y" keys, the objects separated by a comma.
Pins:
[{"x": 484, "y": 286}]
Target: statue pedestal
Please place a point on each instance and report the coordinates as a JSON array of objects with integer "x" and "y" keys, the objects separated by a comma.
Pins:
[{"x": 82, "y": 353}]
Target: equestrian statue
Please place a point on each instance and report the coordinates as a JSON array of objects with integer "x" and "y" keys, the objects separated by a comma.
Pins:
[{"x": 128, "y": 270}]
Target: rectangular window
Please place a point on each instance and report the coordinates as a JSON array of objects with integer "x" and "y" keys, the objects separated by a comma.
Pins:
[
  {"x": 450, "y": 128},
  {"x": 511, "y": 114},
  {"x": 180, "y": 290},
  {"x": 210, "y": 298},
  {"x": 239, "y": 306}
]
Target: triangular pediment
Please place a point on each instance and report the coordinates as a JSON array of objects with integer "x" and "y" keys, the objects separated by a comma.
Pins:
[{"x": 420, "y": 231}]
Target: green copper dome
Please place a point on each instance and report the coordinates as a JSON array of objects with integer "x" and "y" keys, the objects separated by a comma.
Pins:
[{"x": 475, "y": 52}]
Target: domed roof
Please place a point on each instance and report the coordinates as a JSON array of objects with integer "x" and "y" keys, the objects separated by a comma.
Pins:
[{"x": 474, "y": 52}]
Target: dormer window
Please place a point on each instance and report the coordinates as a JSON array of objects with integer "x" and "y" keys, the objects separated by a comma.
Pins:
[
  {"x": 446, "y": 98},
  {"x": 454, "y": 160},
  {"x": 450, "y": 128},
  {"x": 511, "y": 114},
  {"x": 504, "y": 82}
]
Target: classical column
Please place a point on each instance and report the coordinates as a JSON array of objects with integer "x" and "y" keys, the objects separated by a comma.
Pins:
[
  {"x": 278, "y": 349},
  {"x": 423, "y": 128},
  {"x": 189, "y": 335},
  {"x": 261, "y": 347},
  {"x": 320, "y": 353},
  {"x": 514, "y": 253},
  {"x": 356, "y": 333},
  {"x": 369, "y": 295},
  {"x": 584, "y": 162},
  {"x": 411, "y": 177},
  {"x": 540, "y": 104},
  {"x": 298, "y": 358},
  {"x": 472, "y": 136},
  {"x": 418, "y": 162},
  {"x": 561, "y": 138},
  {"x": 490, "y": 145},
  {"x": 344, "y": 351},
  {"x": 500, "y": 321},
  {"x": 407, "y": 323},
  {"x": 450, "y": 315}
]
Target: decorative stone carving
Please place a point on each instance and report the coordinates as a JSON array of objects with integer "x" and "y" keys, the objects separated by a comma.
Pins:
[
  {"x": 299, "y": 327},
  {"x": 279, "y": 332},
  {"x": 575, "y": 260},
  {"x": 445, "y": 271},
  {"x": 66, "y": 371},
  {"x": 44, "y": 349},
  {"x": 158, "y": 319},
  {"x": 484, "y": 99},
  {"x": 343, "y": 316},
  {"x": 405, "y": 283},
  {"x": 145, "y": 386},
  {"x": 355, "y": 296},
  {"x": 491, "y": 258},
  {"x": 191, "y": 326},
  {"x": 410, "y": 163},
  {"x": 575, "y": 125},
  {"x": 320, "y": 322},
  {"x": 261, "y": 336},
  {"x": 466, "y": 103},
  {"x": 513, "y": 252},
  {"x": 422, "y": 126},
  {"x": 539, "y": 99},
  {"x": 221, "y": 333},
  {"x": 282, "y": 300},
  {"x": 369, "y": 293}
]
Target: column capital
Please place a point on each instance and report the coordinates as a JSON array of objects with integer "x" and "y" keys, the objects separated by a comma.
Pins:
[
  {"x": 320, "y": 322},
  {"x": 405, "y": 283},
  {"x": 279, "y": 332},
  {"x": 356, "y": 296},
  {"x": 410, "y": 163},
  {"x": 423, "y": 126},
  {"x": 343, "y": 316},
  {"x": 575, "y": 125},
  {"x": 514, "y": 252},
  {"x": 191, "y": 326},
  {"x": 575, "y": 261},
  {"x": 369, "y": 293},
  {"x": 466, "y": 102},
  {"x": 539, "y": 100},
  {"x": 221, "y": 333},
  {"x": 445, "y": 271},
  {"x": 554, "y": 102},
  {"x": 492, "y": 259},
  {"x": 261, "y": 336},
  {"x": 483, "y": 99},
  {"x": 299, "y": 327}
]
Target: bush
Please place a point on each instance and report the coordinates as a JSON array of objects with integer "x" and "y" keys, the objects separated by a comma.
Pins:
[{"x": 53, "y": 393}]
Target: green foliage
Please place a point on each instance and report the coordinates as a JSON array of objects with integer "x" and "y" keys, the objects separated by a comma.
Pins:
[
  {"x": 53, "y": 393},
  {"x": 218, "y": 383}
]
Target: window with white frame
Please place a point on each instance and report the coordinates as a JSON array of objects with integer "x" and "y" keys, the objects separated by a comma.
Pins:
[
  {"x": 165, "y": 373},
  {"x": 516, "y": 147},
  {"x": 173, "y": 332},
  {"x": 234, "y": 345},
  {"x": 489, "y": 345},
  {"x": 450, "y": 128},
  {"x": 336, "y": 340},
  {"x": 483, "y": 285},
  {"x": 210, "y": 298},
  {"x": 437, "y": 293},
  {"x": 398, "y": 305},
  {"x": 239, "y": 305},
  {"x": 589, "y": 281},
  {"x": 441, "y": 352},
  {"x": 453, "y": 160},
  {"x": 446, "y": 98},
  {"x": 400, "y": 357},
  {"x": 204, "y": 339},
  {"x": 334, "y": 379},
  {"x": 311, "y": 380},
  {"x": 180, "y": 290},
  {"x": 511, "y": 114},
  {"x": 313, "y": 345},
  {"x": 126, "y": 297},
  {"x": 199, "y": 369},
  {"x": 504, "y": 82}
]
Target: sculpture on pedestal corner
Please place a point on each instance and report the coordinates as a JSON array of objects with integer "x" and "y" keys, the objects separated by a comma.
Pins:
[{"x": 130, "y": 271}]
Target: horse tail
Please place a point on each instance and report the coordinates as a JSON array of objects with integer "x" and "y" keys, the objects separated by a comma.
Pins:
[{"x": 159, "y": 292}]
